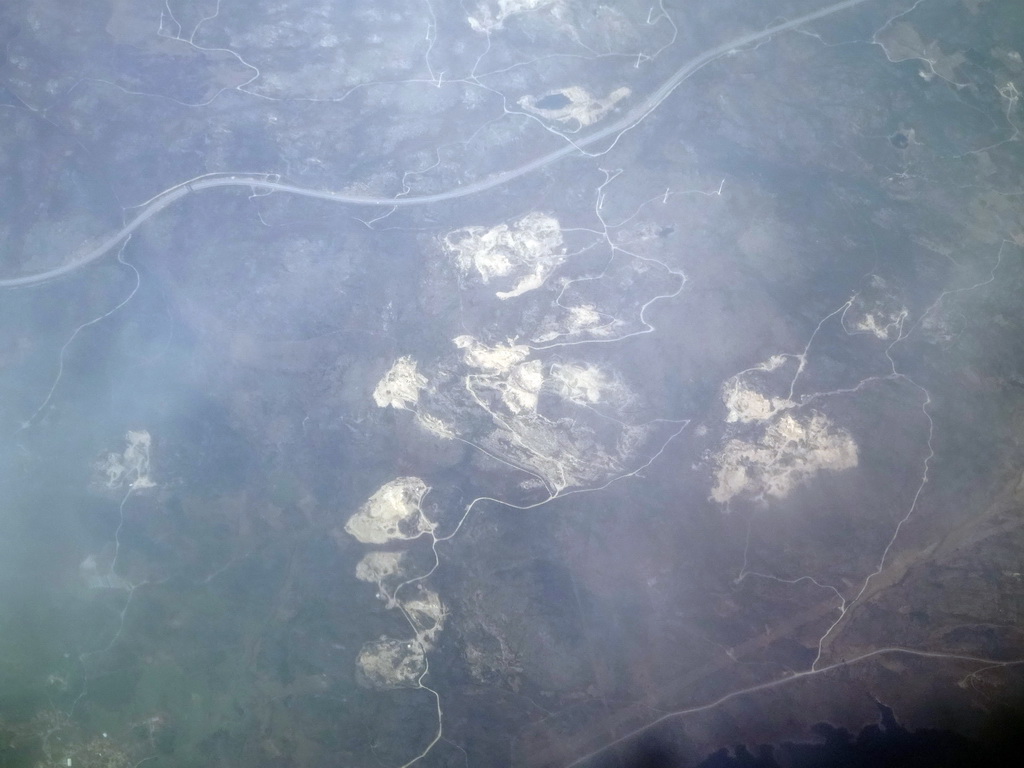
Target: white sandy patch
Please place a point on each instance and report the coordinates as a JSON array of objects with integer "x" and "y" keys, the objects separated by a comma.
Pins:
[
  {"x": 523, "y": 386},
  {"x": 131, "y": 467},
  {"x": 392, "y": 514},
  {"x": 401, "y": 385},
  {"x": 497, "y": 359},
  {"x": 562, "y": 452},
  {"x": 875, "y": 310},
  {"x": 789, "y": 453},
  {"x": 875, "y": 325},
  {"x": 383, "y": 568},
  {"x": 390, "y": 663},
  {"x": 583, "y": 108},
  {"x": 375, "y": 567},
  {"x": 525, "y": 252},
  {"x": 427, "y": 615},
  {"x": 584, "y": 318},
  {"x": 492, "y": 15},
  {"x": 773, "y": 363},
  {"x": 435, "y": 426},
  {"x": 746, "y": 404},
  {"x": 585, "y": 384},
  {"x": 881, "y": 322},
  {"x": 579, "y": 320}
]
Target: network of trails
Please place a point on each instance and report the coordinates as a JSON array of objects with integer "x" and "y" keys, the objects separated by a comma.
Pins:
[{"x": 505, "y": 383}]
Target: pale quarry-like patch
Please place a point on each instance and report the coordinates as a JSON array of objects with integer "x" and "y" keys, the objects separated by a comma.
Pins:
[
  {"x": 746, "y": 404},
  {"x": 530, "y": 282},
  {"x": 874, "y": 325},
  {"x": 131, "y": 467},
  {"x": 523, "y": 386},
  {"x": 582, "y": 108},
  {"x": 392, "y": 513},
  {"x": 490, "y": 16},
  {"x": 875, "y": 310},
  {"x": 435, "y": 426},
  {"x": 790, "y": 451},
  {"x": 497, "y": 359},
  {"x": 585, "y": 384},
  {"x": 773, "y": 363},
  {"x": 375, "y": 567},
  {"x": 427, "y": 615},
  {"x": 880, "y": 323},
  {"x": 579, "y": 320},
  {"x": 584, "y": 317},
  {"x": 527, "y": 252},
  {"x": 560, "y": 452},
  {"x": 390, "y": 663},
  {"x": 401, "y": 385}
]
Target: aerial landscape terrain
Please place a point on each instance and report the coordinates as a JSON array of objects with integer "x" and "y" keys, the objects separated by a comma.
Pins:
[{"x": 513, "y": 383}]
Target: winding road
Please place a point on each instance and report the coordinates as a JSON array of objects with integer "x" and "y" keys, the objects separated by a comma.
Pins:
[{"x": 266, "y": 181}]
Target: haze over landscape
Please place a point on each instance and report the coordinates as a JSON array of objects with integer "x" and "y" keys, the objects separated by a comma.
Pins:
[{"x": 510, "y": 382}]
